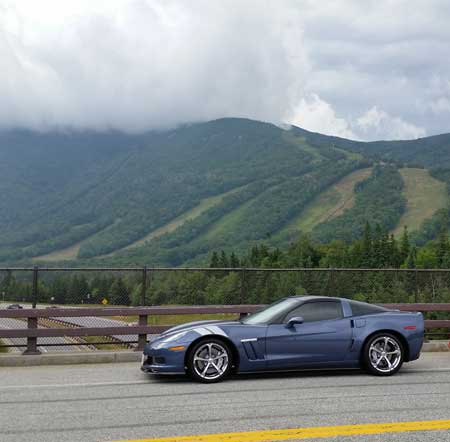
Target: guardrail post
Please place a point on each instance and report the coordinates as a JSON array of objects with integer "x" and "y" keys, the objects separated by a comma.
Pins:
[
  {"x": 142, "y": 338},
  {"x": 34, "y": 289},
  {"x": 32, "y": 341}
]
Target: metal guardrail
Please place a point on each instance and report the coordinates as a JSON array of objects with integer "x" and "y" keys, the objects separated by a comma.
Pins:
[{"x": 142, "y": 329}]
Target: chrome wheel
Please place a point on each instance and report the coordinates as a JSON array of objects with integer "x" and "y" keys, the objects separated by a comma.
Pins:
[
  {"x": 385, "y": 354},
  {"x": 210, "y": 361}
]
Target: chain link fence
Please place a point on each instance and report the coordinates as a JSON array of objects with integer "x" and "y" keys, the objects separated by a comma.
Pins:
[
  {"x": 199, "y": 286},
  {"x": 99, "y": 287}
]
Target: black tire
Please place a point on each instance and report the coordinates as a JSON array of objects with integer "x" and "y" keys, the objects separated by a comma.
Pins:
[
  {"x": 383, "y": 354},
  {"x": 220, "y": 360}
]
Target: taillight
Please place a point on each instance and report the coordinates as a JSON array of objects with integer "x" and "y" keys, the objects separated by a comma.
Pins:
[{"x": 410, "y": 327}]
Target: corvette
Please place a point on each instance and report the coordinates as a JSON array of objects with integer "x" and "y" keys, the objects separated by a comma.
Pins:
[{"x": 293, "y": 333}]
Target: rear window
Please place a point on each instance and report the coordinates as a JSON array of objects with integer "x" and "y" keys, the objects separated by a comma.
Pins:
[{"x": 362, "y": 308}]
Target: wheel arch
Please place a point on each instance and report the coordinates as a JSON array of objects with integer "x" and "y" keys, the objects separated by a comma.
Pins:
[
  {"x": 396, "y": 333},
  {"x": 226, "y": 340}
]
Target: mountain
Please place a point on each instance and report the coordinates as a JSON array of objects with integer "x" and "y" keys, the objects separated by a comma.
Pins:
[{"x": 170, "y": 197}]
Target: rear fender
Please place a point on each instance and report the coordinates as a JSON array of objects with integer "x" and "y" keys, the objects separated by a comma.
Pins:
[{"x": 409, "y": 327}]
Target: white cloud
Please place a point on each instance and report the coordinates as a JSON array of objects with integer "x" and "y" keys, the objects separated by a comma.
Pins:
[
  {"x": 379, "y": 124},
  {"x": 316, "y": 115},
  {"x": 143, "y": 64},
  {"x": 441, "y": 105}
]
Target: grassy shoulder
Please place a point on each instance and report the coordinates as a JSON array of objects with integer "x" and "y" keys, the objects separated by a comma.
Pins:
[
  {"x": 111, "y": 347},
  {"x": 424, "y": 196},
  {"x": 3, "y": 349},
  {"x": 178, "y": 319}
]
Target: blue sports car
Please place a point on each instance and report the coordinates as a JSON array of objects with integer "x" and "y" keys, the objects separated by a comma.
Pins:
[{"x": 293, "y": 333}]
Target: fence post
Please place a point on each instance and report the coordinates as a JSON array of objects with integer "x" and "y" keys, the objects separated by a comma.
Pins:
[
  {"x": 142, "y": 338},
  {"x": 34, "y": 290},
  {"x": 144, "y": 285},
  {"x": 32, "y": 341}
]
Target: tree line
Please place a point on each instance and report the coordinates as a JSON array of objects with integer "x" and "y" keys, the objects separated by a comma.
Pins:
[{"x": 375, "y": 249}]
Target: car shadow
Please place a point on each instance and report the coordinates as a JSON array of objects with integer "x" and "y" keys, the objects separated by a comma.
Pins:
[{"x": 263, "y": 375}]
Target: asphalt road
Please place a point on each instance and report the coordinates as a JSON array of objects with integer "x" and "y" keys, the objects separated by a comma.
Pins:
[{"x": 118, "y": 402}]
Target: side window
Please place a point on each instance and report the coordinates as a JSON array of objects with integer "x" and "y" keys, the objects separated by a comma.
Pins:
[
  {"x": 316, "y": 311},
  {"x": 362, "y": 308}
]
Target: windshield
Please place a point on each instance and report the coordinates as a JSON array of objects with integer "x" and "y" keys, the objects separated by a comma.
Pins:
[{"x": 271, "y": 312}]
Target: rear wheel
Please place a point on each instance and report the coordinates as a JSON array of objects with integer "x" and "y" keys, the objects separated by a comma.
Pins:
[
  {"x": 209, "y": 361},
  {"x": 383, "y": 354}
]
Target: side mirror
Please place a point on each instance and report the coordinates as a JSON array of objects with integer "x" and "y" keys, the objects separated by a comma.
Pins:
[{"x": 296, "y": 320}]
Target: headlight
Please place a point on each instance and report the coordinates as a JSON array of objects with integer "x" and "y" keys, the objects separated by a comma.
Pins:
[{"x": 164, "y": 341}]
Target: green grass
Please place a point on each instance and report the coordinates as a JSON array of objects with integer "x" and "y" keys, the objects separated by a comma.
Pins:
[
  {"x": 67, "y": 253},
  {"x": 232, "y": 218},
  {"x": 178, "y": 319},
  {"x": 329, "y": 204},
  {"x": 205, "y": 204},
  {"x": 181, "y": 319},
  {"x": 424, "y": 195},
  {"x": 196, "y": 211},
  {"x": 356, "y": 156},
  {"x": 93, "y": 339},
  {"x": 303, "y": 145},
  {"x": 3, "y": 349}
]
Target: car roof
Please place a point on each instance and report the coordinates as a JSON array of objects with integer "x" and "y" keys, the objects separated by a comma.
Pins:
[{"x": 316, "y": 298}]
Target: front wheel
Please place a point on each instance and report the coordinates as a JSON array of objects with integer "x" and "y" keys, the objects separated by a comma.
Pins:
[
  {"x": 383, "y": 354},
  {"x": 209, "y": 361}
]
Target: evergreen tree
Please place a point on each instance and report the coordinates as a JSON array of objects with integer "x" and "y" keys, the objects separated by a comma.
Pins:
[
  {"x": 395, "y": 258},
  {"x": 404, "y": 244},
  {"x": 412, "y": 258},
  {"x": 223, "y": 260},
  {"x": 78, "y": 289},
  {"x": 385, "y": 257},
  {"x": 58, "y": 290},
  {"x": 234, "y": 260},
  {"x": 214, "y": 263},
  {"x": 377, "y": 260},
  {"x": 119, "y": 293},
  {"x": 442, "y": 248},
  {"x": 254, "y": 258},
  {"x": 367, "y": 247}
]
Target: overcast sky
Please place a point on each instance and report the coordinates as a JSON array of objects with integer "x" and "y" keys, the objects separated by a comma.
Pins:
[{"x": 359, "y": 69}]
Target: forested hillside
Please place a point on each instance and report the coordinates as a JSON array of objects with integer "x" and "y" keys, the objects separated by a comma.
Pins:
[{"x": 171, "y": 197}]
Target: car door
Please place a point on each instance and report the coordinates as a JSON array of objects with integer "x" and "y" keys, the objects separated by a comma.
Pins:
[{"x": 324, "y": 336}]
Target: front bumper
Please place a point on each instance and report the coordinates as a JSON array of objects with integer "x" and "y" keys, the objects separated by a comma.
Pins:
[{"x": 163, "y": 361}]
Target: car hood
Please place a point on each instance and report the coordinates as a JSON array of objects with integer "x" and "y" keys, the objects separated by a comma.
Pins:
[{"x": 194, "y": 324}]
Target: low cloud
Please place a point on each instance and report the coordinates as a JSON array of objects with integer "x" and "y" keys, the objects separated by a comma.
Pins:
[
  {"x": 139, "y": 65},
  {"x": 369, "y": 70},
  {"x": 317, "y": 115},
  {"x": 379, "y": 124}
]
